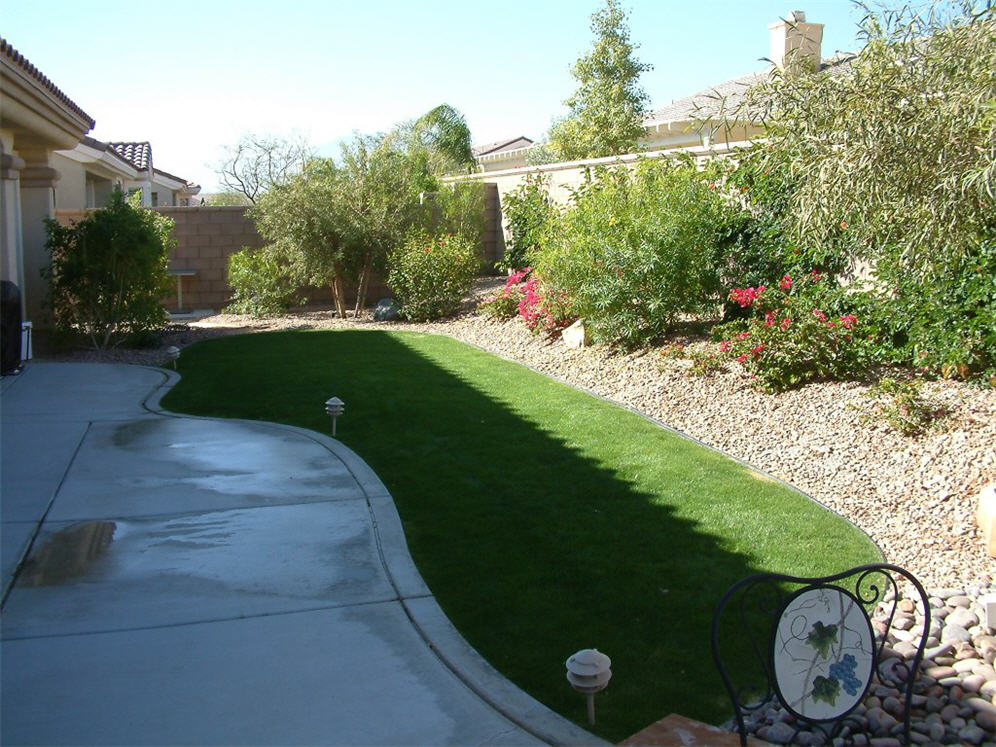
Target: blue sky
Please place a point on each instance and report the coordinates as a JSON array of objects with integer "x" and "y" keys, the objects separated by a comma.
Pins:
[{"x": 192, "y": 77}]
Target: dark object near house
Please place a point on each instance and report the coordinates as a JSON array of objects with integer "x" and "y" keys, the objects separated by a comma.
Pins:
[
  {"x": 387, "y": 310},
  {"x": 808, "y": 645},
  {"x": 10, "y": 328}
]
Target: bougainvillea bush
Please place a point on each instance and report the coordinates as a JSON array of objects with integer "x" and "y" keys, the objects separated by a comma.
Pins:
[
  {"x": 800, "y": 330},
  {"x": 432, "y": 274},
  {"x": 505, "y": 303}
]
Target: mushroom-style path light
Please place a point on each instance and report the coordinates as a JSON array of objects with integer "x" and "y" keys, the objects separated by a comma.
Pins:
[
  {"x": 334, "y": 407},
  {"x": 173, "y": 353},
  {"x": 588, "y": 672}
]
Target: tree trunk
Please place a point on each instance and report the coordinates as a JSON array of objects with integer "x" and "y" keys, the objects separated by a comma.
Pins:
[
  {"x": 361, "y": 288},
  {"x": 337, "y": 294}
]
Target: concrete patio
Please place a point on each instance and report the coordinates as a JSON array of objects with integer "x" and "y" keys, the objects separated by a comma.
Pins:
[{"x": 179, "y": 580}]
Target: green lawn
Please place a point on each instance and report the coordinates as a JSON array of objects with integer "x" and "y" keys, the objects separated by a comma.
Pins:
[{"x": 543, "y": 519}]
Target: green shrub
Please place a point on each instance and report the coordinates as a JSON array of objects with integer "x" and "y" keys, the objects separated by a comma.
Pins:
[
  {"x": 528, "y": 213},
  {"x": 108, "y": 273},
  {"x": 263, "y": 283},
  {"x": 943, "y": 325},
  {"x": 637, "y": 249},
  {"x": 800, "y": 331},
  {"x": 431, "y": 275},
  {"x": 902, "y": 405}
]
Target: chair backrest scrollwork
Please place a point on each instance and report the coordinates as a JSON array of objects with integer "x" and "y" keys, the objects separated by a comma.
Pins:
[{"x": 809, "y": 644}]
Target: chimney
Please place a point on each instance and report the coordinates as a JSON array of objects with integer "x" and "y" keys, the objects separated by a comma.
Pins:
[{"x": 795, "y": 44}]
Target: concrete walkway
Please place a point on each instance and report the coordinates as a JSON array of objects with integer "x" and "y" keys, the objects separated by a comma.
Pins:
[{"x": 178, "y": 580}]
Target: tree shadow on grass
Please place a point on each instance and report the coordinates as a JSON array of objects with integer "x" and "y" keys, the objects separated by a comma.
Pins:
[{"x": 543, "y": 520}]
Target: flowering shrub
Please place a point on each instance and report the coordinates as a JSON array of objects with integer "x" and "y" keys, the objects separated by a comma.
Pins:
[
  {"x": 799, "y": 332},
  {"x": 542, "y": 308},
  {"x": 431, "y": 275},
  {"x": 505, "y": 303}
]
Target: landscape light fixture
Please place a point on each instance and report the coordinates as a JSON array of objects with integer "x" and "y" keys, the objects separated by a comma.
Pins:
[
  {"x": 588, "y": 672},
  {"x": 173, "y": 353},
  {"x": 334, "y": 407}
]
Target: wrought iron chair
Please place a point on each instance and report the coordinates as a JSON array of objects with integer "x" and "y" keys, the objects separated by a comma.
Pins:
[{"x": 809, "y": 645}]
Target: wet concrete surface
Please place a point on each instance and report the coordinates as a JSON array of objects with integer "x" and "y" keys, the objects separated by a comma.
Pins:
[{"x": 194, "y": 581}]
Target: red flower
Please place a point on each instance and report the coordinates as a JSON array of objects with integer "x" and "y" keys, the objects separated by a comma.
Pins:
[
  {"x": 785, "y": 323},
  {"x": 819, "y": 315},
  {"x": 786, "y": 283},
  {"x": 724, "y": 346},
  {"x": 769, "y": 318},
  {"x": 743, "y": 335}
]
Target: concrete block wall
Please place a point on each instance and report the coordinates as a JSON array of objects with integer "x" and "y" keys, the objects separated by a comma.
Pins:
[{"x": 205, "y": 238}]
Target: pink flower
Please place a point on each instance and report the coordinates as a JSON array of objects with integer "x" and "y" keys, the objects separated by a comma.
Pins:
[
  {"x": 743, "y": 335},
  {"x": 848, "y": 320},
  {"x": 742, "y": 358},
  {"x": 769, "y": 318},
  {"x": 724, "y": 346},
  {"x": 785, "y": 323},
  {"x": 786, "y": 283},
  {"x": 745, "y": 296},
  {"x": 819, "y": 315}
]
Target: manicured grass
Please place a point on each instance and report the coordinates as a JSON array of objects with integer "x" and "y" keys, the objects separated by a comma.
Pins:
[{"x": 543, "y": 519}]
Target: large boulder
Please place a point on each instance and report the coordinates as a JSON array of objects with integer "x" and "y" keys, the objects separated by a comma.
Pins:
[{"x": 387, "y": 310}]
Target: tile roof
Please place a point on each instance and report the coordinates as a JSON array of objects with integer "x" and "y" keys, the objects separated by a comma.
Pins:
[
  {"x": 731, "y": 93},
  {"x": 496, "y": 147},
  {"x": 22, "y": 62},
  {"x": 139, "y": 154}
]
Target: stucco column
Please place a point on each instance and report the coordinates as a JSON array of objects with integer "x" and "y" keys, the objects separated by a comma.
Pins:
[
  {"x": 11, "y": 263},
  {"x": 37, "y": 203}
]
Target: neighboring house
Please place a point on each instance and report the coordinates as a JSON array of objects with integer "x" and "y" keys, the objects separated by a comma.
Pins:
[
  {"x": 47, "y": 162},
  {"x": 92, "y": 170},
  {"x": 504, "y": 154},
  {"x": 36, "y": 119},
  {"x": 695, "y": 121}
]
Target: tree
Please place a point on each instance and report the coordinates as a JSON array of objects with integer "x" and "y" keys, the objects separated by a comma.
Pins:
[
  {"x": 340, "y": 218},
  {"x": 442, "y": 135},
  {"x": 108, "y": 273},
  {"x": 607, "y": 109},
  {"x": 259, "y": 162}
]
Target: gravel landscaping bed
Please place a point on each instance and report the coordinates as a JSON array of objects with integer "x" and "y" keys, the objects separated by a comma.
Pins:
[{"x": 916, "y": 497}]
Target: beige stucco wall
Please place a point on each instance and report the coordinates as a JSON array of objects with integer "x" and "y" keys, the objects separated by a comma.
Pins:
[{"x": 70, "y": 190}]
